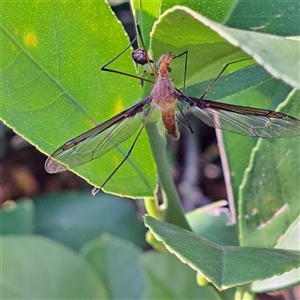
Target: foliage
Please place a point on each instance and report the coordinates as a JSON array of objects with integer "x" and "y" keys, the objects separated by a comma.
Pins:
[{"x": 53, "y": 90}]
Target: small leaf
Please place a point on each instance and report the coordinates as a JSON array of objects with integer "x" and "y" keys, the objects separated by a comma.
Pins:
[{"x": 224, "y": 266}]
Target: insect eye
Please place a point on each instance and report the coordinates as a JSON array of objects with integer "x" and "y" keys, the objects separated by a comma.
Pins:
[{"x": 169, "y": 69}]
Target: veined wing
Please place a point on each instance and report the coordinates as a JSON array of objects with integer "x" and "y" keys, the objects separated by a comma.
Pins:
[
  {"x": 98, "y": 140},
  {"x": 244, "y": 120}
]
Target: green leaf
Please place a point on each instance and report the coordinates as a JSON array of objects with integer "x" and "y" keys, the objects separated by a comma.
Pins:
[
  {"x": 163, "y": 281},
  {"x": 53, "y": 89},
  {"x": 219, "y": 12},
  {"x": 205, "y": 41},
  {"x": 146, "y": 13},
  {"x": 224, "y": 266},
  {"x": 269, "y": 195},
  {"x": 284, "y": 281},
  {"x": 281, "y": 63},
  {"x": 211, "y": 222},
  {"x": 17, "y": 217},
  {"x": 74, "y": 219},
  {"x": 270, "y": 16},
  {"x": 116, "y": 262},
  {"x": 289, "y": 241},
  {"x": 34, "y": 267},
  {"x": 207, "y": 52}
]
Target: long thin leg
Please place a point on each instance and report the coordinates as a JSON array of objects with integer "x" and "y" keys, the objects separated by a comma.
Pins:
[
  {"x": 186, "y": 121},
  {"x": 219, "y": 75},
  {"x": 185, "y": 67},
  {"x": 103, "y": 68},
  {"x": 96, "y": 190}
]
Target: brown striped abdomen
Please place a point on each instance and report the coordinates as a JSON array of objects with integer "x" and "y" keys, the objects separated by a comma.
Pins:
[
  {"x": 169, "y": 121},
  {"x": 163, "y": 95}
]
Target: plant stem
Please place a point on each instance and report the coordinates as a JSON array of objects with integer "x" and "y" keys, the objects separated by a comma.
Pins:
[
  {"x": 152, "y": 207},
  {"x": 171, "y": 202}
]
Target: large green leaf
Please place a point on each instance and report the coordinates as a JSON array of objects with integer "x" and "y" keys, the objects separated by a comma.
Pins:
[
  {"x": 216, "y": 10},
  {"x": 206, "y": 42},
  {"x": 224, "y": 266},
  {"x": 52, "y": 88},
  {"x": 269, "y": 16},
  {"x": 207, "y": 50},
  {"x": 34, "y": 267},
  {"x": 269, "y": 193}
]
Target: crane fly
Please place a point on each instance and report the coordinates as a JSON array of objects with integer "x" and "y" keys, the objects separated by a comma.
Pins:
[{"x": 165, "y": 96}]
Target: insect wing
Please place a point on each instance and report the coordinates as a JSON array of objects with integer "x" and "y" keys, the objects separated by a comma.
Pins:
[
  {"x": 97, "y": 141},
  {"x": 244, "y": 120}
]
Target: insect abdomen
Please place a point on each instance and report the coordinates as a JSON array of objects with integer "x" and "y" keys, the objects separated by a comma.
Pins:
[{"x": 169, "y": 121}]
